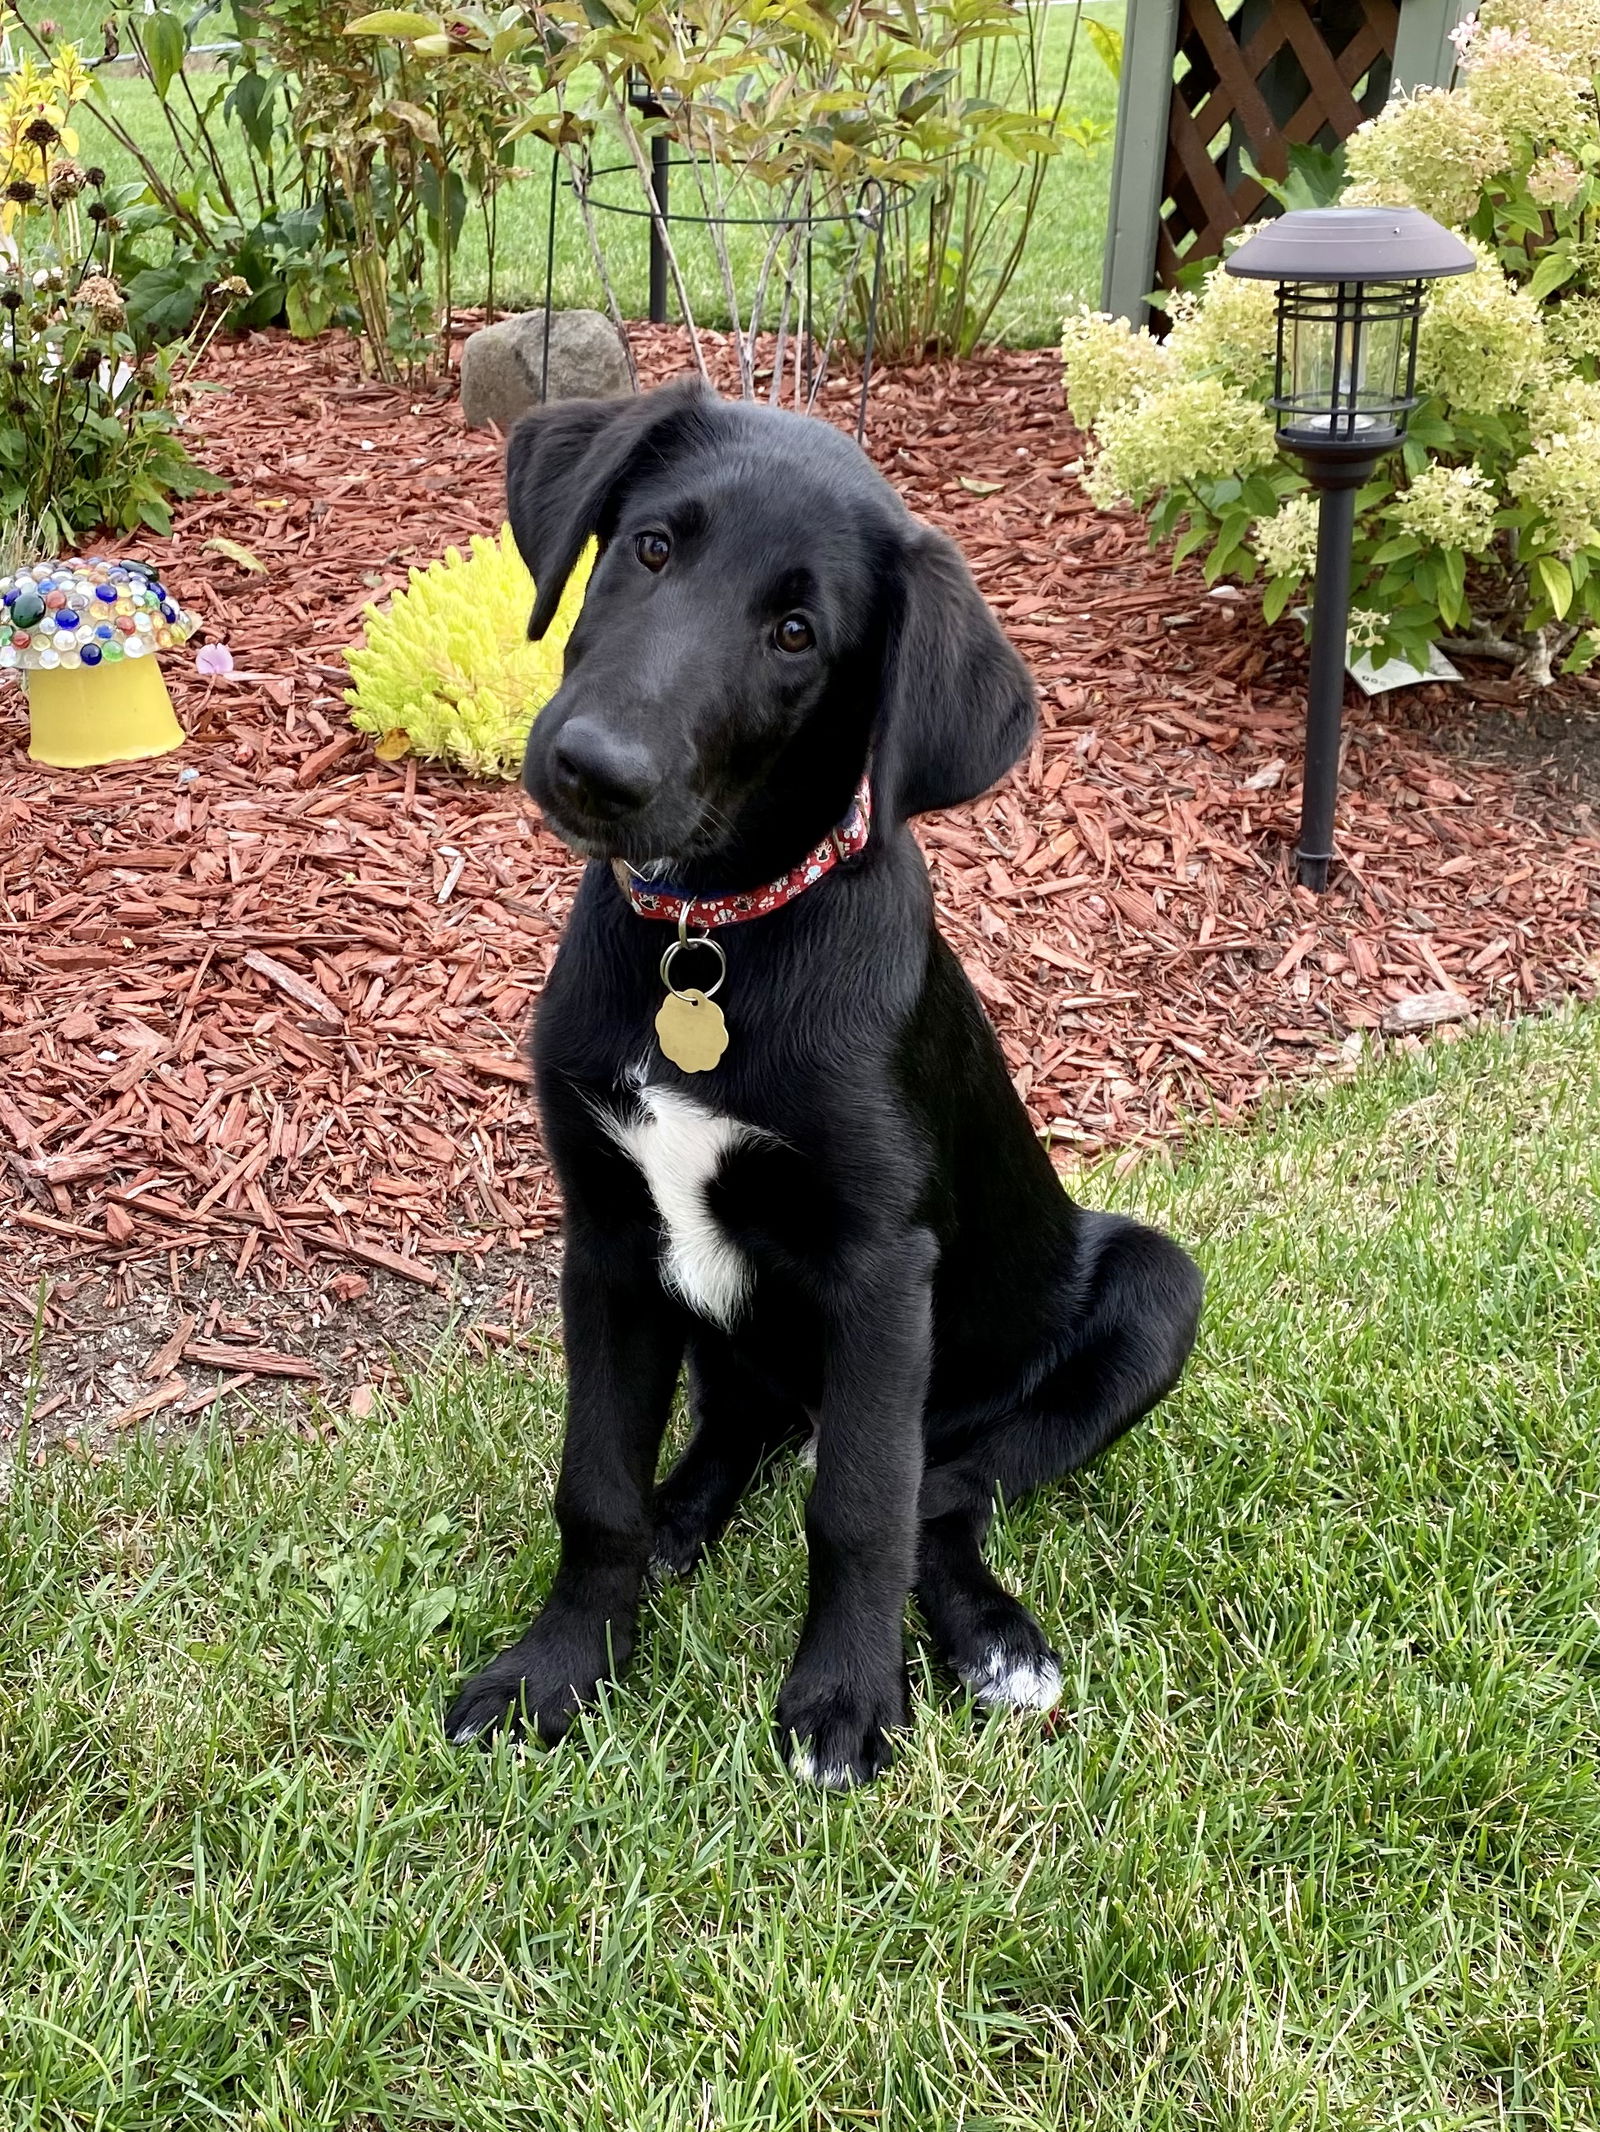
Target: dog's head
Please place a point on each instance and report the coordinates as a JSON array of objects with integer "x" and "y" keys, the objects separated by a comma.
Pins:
[{"x": 764, "y": 615}]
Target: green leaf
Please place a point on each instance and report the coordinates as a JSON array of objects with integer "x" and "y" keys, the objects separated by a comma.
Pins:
[
  {"x": 164, "y": 46},
  {"x": 1392, "y": 550},
  {"x": 1554, "y": 269},
  {"x": 1583, "y": 653},
  {"x": 162, "y": 301},
  {"x": 394, "y": 22},
  {"x": 1276, "y": 597},
  {"x": 1556, "y": 579},
  {"x": 1196, "y": 537},
  {"x": 308, "y": 306},
  {"x": 1107, "y": 43}
]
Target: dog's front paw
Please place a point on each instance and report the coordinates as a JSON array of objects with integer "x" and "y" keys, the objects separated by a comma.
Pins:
[
  {"x": 536, "y": 1687},
  {"x": 836, "y": 1732}
]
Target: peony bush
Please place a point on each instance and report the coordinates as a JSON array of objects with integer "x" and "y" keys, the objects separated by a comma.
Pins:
[{"x": 1483, "y": 533}]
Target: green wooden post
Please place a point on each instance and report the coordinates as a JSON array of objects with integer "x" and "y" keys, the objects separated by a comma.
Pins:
[
  {"x": 1139, "y": 161},
  {"x": 1423, "y": 54}
]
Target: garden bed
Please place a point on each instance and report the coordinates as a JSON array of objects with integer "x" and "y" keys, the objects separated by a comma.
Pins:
[{"x": 260, "y": 1001}]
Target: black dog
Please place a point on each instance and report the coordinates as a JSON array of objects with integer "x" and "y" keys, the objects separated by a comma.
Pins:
[{"x": 846, "y": 1227}]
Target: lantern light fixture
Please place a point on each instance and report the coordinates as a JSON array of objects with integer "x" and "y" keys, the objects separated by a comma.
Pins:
[{"x": 1349, "y": 302}]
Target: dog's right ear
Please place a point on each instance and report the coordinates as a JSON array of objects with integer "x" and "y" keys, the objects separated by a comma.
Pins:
[{"x": 566, "y": 466}]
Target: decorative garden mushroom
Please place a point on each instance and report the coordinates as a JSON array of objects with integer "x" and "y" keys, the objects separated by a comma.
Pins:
[{"x": 85, "y": 634}]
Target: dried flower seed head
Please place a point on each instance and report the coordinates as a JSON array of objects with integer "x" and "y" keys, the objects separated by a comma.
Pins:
[
  {"x": 233, "y": 287},
  {"x": 88, "y": 363},
  {"x": 11, "y": 298},
  {"x": 95, "y": 176},
  {"x": 99, "y": 294},
  {"x": 67, "y": 180},
  {"x": 41, "y": 133},
  {"x": 97, "y": 211},
  {"x": 22, "y": 191}
]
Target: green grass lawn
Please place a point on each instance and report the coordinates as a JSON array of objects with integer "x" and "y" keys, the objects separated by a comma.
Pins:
[
  {"x": 1061, "y": 267},
  {"x": 1313, "y": 1843}
]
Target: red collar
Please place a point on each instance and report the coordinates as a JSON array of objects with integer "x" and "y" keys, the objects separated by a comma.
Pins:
[{"x": 658, "y": 899}]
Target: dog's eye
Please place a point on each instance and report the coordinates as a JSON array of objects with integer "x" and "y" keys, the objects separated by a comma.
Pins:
[
  {"x": 652, "y": 550},
  {"x": 794, "y": 633}
]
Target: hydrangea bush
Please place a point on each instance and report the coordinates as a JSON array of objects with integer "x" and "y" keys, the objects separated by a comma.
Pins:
[{"x": 1483, "y": 532}]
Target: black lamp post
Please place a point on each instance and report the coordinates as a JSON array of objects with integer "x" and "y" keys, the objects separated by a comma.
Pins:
[
  {"x": 645, "y": 101},
  {"x": 1349, "y": 301}
]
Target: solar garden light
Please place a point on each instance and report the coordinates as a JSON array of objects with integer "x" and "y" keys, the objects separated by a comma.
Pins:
[{"x": 1349, "y": 302}]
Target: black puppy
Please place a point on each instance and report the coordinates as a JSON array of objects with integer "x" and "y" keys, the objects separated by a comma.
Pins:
[{"x": 845, "y": 1225}]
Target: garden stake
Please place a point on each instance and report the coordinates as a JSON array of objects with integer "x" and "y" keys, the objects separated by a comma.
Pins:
[{"x": 1350, "y": 291}]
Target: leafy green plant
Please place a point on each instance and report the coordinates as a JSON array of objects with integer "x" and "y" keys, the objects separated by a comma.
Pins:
[
  {"x": 940, "y": 116},
  {"x": 88, "y": 436},
  {"x": 1483, "y": 534}
]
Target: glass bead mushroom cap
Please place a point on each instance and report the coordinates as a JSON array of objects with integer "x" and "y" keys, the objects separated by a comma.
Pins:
[
  {"x": 1349, "y": 301},
  {"x": 86, "y": 635}
]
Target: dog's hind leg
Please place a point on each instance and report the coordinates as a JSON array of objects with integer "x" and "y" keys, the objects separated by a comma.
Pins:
[
  {"x": 740, "y": 1425},
  {"x": 985, "y": 1636},
  {"x": 1137, "y": 1304}
]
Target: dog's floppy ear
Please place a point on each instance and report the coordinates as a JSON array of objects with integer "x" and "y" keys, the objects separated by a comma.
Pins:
[
  {"x": 958, "y": 704},
  {"x": 565, "y": 467}
]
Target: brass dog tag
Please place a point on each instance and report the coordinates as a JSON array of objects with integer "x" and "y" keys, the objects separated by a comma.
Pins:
[{"x": 691, "y": 1031}]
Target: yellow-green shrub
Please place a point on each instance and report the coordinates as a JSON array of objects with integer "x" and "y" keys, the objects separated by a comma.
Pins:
[{"x": 448, "y": 673}]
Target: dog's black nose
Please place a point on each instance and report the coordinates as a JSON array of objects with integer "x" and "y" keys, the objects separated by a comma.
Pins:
[{"x": 601, "y": 774}]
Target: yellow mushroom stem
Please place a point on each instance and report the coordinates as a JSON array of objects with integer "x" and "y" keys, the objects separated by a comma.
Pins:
[{"x": 85, "y": 715}]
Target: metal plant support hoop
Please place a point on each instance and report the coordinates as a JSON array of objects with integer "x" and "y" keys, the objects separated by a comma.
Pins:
[{"x": 867, "y": 219}]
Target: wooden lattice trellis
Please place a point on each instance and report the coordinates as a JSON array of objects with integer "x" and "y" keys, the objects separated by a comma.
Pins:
[
  {"x": 1205, "y": 81},
  {"x": 1276, "y": 73}
]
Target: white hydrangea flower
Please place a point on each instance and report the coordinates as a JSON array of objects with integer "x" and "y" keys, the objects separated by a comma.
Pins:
[
  {"x": 1481, "y": 342},
  {"x": 1228, "y": 329},
  {"x": 1105, "y": 364},
  {"x": 1562, "y": 405},
  {"x": 1525, "y": 89},
  {"x": 1569, "y": 27},
  {"x": 1365, "y": 631},
  {"x": 1560, "y": 479},
  {"x": 1554, "y": 179},
  {"x": 1573, "y": 326},
  {"x": 1448, "y": 507},
  {"x": 1192, "y": 429},
  {"x": 1287, "y": 541},
  {"x": 1433, "y": 150}
]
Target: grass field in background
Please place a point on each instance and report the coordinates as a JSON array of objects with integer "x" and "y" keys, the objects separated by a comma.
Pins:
[
  {"x": 1061, "y": 267},
  {"x": 1313, "y": 1842}
]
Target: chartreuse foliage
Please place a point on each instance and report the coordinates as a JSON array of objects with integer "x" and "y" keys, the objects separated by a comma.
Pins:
[
  {"x": 1487, "y": 525},
  {"x": 447, "y": 671},
  {"x": 1311, "y": 1846}
]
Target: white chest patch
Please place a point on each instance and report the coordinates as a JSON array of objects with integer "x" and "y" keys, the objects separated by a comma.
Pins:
[{"x": 680, "y": 1145}]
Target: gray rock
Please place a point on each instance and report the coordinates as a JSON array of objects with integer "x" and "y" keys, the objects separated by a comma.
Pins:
[{"x": 501, "y": 365}]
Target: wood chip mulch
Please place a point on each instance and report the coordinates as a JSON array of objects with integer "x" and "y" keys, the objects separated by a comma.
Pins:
[{"x": 260, "y": 1000}]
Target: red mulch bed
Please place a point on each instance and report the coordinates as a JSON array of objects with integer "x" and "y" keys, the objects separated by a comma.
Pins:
[{"x": 262, "y": 998}]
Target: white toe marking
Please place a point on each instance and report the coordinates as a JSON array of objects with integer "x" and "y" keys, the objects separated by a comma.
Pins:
[
  {"x": 835, "y": 1777},
  {"x": 808, "y": 1452},
  {"x": 680, "y": 1145},
  {"x": 1007, "y": 1682}
]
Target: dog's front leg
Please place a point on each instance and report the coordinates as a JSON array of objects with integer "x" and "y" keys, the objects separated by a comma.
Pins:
[
  {"x": 847, "y": 1689},
  {"x": 624, "y": 1344}
]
